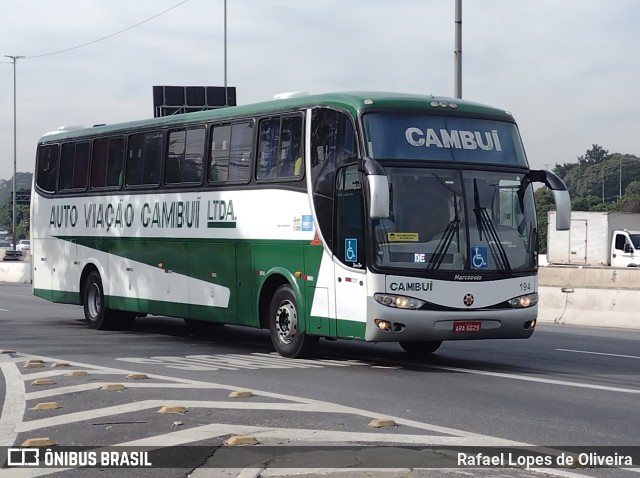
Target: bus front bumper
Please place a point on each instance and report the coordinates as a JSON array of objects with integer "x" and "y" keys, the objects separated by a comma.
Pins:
[{"x": 428, "y": 325}]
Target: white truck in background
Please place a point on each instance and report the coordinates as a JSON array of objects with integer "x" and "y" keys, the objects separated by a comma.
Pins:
[{"x": 596, "y": 239}]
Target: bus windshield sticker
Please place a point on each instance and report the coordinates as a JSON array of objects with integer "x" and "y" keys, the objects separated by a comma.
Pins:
[
  {"x": 479, "y": 257},
  {"x": 351, "y": 249},
  {"x": 402, "y": 236}
]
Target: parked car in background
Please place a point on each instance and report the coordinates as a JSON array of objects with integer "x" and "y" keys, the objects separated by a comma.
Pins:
[
  {"x": 6, "y": 245},
  {"x": 24, "y": 245}
]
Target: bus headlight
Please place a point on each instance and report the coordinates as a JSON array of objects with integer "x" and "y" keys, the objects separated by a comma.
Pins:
[
  {"x": 524, "y": 301},
  {"x": 398, "y": 301}
]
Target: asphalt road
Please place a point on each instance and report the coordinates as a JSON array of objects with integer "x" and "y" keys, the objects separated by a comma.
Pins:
[{"x": 566, "y": 386}]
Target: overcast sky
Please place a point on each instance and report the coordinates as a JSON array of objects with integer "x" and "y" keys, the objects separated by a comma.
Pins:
[{"x": 567, "y": 69}]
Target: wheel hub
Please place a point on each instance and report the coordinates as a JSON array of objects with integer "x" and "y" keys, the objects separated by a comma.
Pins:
[
  {"x": 94, "y": 300},
  {"x": 286, "y": 322}
]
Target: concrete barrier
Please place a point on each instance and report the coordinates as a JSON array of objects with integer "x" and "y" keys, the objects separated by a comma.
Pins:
[
  {"x": 15, "y": 272},
  {"x": 594, "y": 296}
]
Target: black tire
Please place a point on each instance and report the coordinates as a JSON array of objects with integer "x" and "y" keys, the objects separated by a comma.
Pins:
[
  {"x": 421, "y": 349},
  {"x": 96, "y": 315},
  {"x": 286, "y": 336}
]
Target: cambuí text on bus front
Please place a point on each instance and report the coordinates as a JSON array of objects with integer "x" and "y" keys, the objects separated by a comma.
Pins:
[
  {"x": 411, "y": 286},
  {"x": 458, "y": 139}
]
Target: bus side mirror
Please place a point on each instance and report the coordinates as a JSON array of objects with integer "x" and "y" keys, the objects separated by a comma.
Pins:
[
  {"x": 560, "y": 196},
  {"x": 378, "y": 186},
  {"x": 379, "y": 200}
]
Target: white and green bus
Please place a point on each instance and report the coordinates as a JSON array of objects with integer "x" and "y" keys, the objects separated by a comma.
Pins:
[{"x": 373, "y": 216}]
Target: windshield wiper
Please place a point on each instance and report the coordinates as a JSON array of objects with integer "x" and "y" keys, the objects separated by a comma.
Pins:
[
  {"x": 452, "y": 230},
  {"x": 484, "y": 222},
  {"x": 443, "y": 245}
]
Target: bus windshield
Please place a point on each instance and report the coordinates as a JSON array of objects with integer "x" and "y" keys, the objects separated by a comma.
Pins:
[
  {"x": 442, "y": 138},
  {"x": 457, "y": 220}
]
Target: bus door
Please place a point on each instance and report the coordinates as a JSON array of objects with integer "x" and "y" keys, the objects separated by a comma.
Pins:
[{"x": 350, "y": 277}]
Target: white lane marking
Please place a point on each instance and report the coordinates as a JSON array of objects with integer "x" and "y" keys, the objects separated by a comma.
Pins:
[
  {"x": 5, "y": 310},
  {"x": 12, "y": 411},
  {"x": 526, "y": 378},
  {"x": 251, "y": 361},
  {"x": 599, "y": 353},
  {"x": 331, "y": 407},
  {"x": 53, "y": 392}
]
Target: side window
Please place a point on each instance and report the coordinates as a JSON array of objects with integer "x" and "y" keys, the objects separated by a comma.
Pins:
[
  {"x": 185, "y": 156},
  {"x": 280, "y": 148},
  {"x": 621, "y": 240},
  {"x": 268, "y": 149},
  {"x": 47, "y": 167},
  {"x": 241, "y": 148},
  {"x": 99, "y": 163},
  {"x": 219, "y": 162},
  {"x": 106, "y": 162},
  {"x": 66, "y": 166},
  {"x": 74, "y": 163},
  {"x": 144, "y": 158},
  {"x": 290, "y": 161},
  {"x": 349, "y": 226},
  {"x": 231, "y": 152},
  {"x": 115, "y": 162},
  {"x": 333, "y": 143}
]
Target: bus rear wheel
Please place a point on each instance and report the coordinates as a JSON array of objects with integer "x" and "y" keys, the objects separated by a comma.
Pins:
[
  {"x": 96, "y": 314},
  {"x": 421, "y": 349},
  {"x": 286, "y": 336}
]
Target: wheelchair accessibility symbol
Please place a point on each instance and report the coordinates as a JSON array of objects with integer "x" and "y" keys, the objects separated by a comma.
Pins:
[
  {"x": 479, "y": 257},
  {"x": 351, "y": 249}
]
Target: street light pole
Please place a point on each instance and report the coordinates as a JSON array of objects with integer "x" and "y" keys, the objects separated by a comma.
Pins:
[
  {"x": 14, "y": 59},
  {"x": 457, "y": 86},
  {"x": 620, "y": 182},
  {"x": 226, "y": 93}
]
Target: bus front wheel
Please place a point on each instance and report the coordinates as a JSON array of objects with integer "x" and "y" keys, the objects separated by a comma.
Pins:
[
  {"x": 421, "y": 349},
  {"x": 284, "y": 327},
  {"x": 96, "y": 314}
]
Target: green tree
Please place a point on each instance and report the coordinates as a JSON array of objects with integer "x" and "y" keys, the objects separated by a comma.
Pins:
[
  {"x": 595, "y": 155},
  {"x": 23, "y": 184},
  {"x": 23, "y": 230}
]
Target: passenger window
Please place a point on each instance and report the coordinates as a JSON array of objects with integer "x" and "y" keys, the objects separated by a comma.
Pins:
[
  {"x": 144, "y": 159},
  {"x": 185, "y": 156},
  {"x": 268, "y": 149},
  {"x": 220, "y": 144},
  {"x": 240, "y": 153},
  {"x": 231, "y": 152},
  {"x": 99, "y": 163},
  {"x": 280, "y": 148},
  {"x": 621, "y": 240},
  {"x": 47, "y": 167},
  {"x": 74, "y": 162},
  {"x": 115, "y": 162}
]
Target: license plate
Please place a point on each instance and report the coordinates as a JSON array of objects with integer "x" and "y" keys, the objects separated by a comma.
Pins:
[{"x": 466, "y": 326}]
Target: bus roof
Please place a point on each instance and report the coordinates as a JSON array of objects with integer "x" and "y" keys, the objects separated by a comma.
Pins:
[{"x": 351, "y": 101}]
